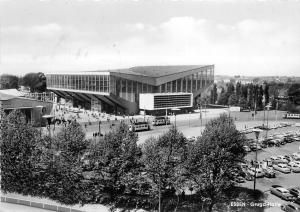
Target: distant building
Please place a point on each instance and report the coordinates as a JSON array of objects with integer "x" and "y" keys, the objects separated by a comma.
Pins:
[
  {"x": 123, "y": 90},
  {"x": 32, "y": 109}
]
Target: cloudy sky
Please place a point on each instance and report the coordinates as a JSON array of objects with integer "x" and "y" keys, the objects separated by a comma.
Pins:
[{"x": 240, "y": 37}]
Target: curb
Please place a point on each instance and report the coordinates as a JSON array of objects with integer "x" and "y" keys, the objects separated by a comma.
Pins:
[{"x": 39, "y": 205}]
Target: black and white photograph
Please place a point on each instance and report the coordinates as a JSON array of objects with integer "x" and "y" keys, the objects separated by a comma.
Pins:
[{"x": 149, "y": 105}]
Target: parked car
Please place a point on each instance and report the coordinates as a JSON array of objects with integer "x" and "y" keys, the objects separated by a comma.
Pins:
[
  {"x": 295, "y": 191},
  {"x": 269, "y": 172},
  {"x": 295, "y": 168},
  {"x": 282, "y": 168},
  {"x": 282, "y": 193},
  {"x": 294, "y": 162},
  {"x": 296, "y": 156},
  {"x": 283, "y": 159},
  {"x": 239, "y": 179},
  {"x": 247, "y": 148},
  {"x": 289, "y": 158},
  {"x": 249, "y": 177},
  {"x": 290, "y": 207},
  {"x": 259, "y": 172}
]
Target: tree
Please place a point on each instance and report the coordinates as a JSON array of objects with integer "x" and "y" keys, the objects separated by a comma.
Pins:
[
  {"x": 214, "y": 94},
  {"x": 64, "y": 169},
  {"x": 8, "y": 81},
  {"x": 35, "y": 81},
  {"x": 163, "y": 159},
  {"x": 233, "y": 99},
  {"x": 294, "y": 93},
  {"x": 212, "y": 160},
  {"x": 115, "y": 160},
  {"x": 18, "y": 141}
]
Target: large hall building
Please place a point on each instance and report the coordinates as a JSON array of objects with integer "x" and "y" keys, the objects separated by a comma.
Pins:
[{"x": 148, "y": 88}]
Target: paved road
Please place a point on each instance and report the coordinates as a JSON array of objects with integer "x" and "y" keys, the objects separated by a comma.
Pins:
[{"x": 7, "y": 207}]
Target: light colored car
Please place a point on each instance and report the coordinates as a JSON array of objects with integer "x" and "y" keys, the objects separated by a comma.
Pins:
[
  {"x": 282, "y": 158},
  {"x": 259, "y": 172},
  {"x": 247, "y": 148},
  {"x": 296, "y": 156},
  {"x": 282, "y": 168},
  {"x": 295, "y": 168},
  {"x": 294, "y": 162},
  {"x": 282, "y": 193}
]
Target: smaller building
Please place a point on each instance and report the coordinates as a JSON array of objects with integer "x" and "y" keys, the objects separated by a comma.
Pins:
[
  {"x": 32, "y": 109},
  {"x": 163, "y": 101}
]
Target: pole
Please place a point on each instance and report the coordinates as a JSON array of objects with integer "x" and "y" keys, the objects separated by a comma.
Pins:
[
  {"x": 255, "y": 164},
  {"x": 99, "y": 129},
  {"x": 267, "y": 121},
  {"x": 166, "y": 116},
  {"x": 276, "y": 111},
  {"x": 159, "y": 195}
]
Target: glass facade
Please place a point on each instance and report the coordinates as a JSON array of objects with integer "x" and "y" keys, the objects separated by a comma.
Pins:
[
  {"x": 93, "y": 83},
  {"x": 129, "y": 89}
]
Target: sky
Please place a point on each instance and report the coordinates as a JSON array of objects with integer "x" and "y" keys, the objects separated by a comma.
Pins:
[{"x": 242, "y": 37}]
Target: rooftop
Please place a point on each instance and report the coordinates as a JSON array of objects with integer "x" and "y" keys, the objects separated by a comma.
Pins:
[{"x": 153, "y": 71}]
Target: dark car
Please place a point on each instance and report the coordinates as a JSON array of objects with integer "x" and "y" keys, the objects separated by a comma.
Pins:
[
  {"x": 290, "y": 207},
  {"x": 295, "y": 192}
]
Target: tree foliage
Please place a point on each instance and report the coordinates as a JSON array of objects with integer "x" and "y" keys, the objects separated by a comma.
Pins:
[
  {"x": 35, "y": 81},
  {"x": 18, "y": 142},
  {"x": 212, "y": 159},
  {"x": 8, "y": 81}
]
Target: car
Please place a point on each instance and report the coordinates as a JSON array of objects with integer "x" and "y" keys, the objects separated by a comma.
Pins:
[
  {"x": 290, "y": 207},
  {"x": 282, "y": 168},
  {"x": 296, "y": 156},
  {"x": 294, "y": 162},
  {"x": 282, "y": 193},
  {"x": 239, "y": 179},
  {"x": 259, "y": 172},
  {"x": 289, "y": 158},
  {"x": 249, "y": 177},
  {"x": 282, "y": 158},
  {"x": 269, "y": 172},
  {"x": 295, "y": 168},
  {"x": 295, "y": 191},
  {"x": 247, "y": 148}
]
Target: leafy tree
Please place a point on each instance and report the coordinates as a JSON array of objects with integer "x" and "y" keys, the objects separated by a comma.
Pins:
[
  {"x": 35, "y": 81},
  {"x": 115, "y": 160},
  {"x": 18, "y": 142},
  {"x": 233, "y": 99},
  {"x": 212, "y": 160},
  {"x": 214, "y": 94},
  {"x": 8, "y": 81},
  {"x": 64, "y": 169},
  {"x": 294, "y": 93},
  {"x": 163, "y": 159}
]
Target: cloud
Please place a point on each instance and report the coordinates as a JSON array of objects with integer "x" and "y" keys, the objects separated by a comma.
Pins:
[{"x": 249, "y": 46}]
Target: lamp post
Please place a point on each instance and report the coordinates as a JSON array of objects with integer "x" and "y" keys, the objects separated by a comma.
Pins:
[
  {"x": 175, "y": 109},
  {"x": 256, "y": 131},
  {"x": 268, "y": 108},
  {"x": 99, "y": 129}
]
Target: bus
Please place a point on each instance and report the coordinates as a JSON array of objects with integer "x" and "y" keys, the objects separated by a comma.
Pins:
[
  {"x": 161, "y": 120},
  {"x": 291, "y": 116},
  {"x": 139, "y": 126}
]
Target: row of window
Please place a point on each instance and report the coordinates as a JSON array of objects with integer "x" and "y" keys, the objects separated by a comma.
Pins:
[{"x": 95, "y": 83}]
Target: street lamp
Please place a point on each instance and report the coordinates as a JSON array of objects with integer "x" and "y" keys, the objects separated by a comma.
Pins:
[
  {"x": 175, "y": 109},
  {"x": 190, "y": 118},
  {"x": 268, "y": 108},
  {"x": 256, "y": 131}
]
